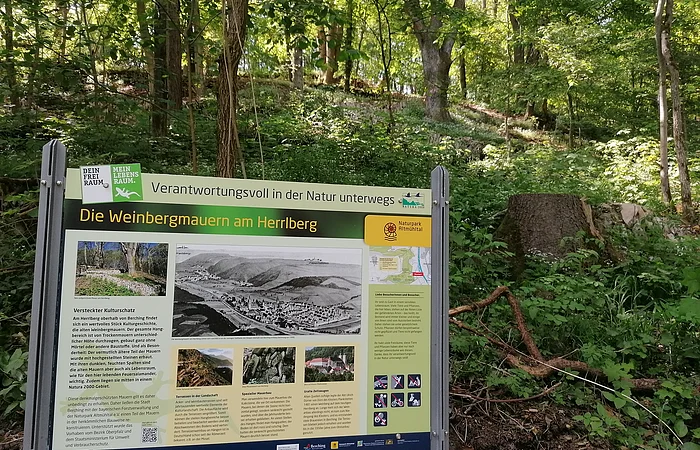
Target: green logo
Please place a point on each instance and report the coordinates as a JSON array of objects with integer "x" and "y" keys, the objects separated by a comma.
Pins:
[
  {"x": 126, "y": 182},
  {"x": 413, "y": 200}
]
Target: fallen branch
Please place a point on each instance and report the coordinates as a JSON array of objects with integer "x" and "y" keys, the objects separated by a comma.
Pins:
[
  {"x": 547, "y": 391},
  {"x": 533, "y": 363}
]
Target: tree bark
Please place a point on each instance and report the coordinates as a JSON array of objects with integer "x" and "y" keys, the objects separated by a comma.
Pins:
[
  {"x": 174, "y": 54},
  {"x": 349, "y": 36},
  {"x": 462, "y": 75},
  {"x": 536, "y": 224},
  {"x": 663, "y": 104},
  {"x": 129, "y": 251},
  {"x": 36, "y": 53},
  {"x": 10, "y": 69},
  {"x": 679, "y": 140},
  {"x": 199, "y": 75},
  {"x": 333, "y": 48},
  {"x": 159, "y": 117},
  {"x": 146, "y": 44},
  {"x": 62, "y": 32},
  {"x": 234, "y": 13},
  {"x": 385, "y": 47},
  {"x": 322, "y": 47},
  {"x": 436, "y": 56},
  {"x": 297, "y": 67}
]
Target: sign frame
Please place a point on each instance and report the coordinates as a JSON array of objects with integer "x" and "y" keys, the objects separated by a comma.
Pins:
[{"x": 45, "y": 320}]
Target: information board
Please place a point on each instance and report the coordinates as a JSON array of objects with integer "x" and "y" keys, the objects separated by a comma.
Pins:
[{"x": 197, "y": 312}]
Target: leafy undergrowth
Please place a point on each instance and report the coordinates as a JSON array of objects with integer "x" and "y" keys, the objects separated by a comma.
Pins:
[
  {"x": 100, "y": 287},
  {"x": 636, "y": 316}
]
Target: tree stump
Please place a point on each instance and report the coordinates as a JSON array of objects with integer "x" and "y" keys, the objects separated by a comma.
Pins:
[{"x": 536, "y": 224}]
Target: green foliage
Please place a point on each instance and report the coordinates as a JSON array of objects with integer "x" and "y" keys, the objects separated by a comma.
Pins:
[
  {"x": 13, "y": 381},
  {"x": 100, "y": 287}
]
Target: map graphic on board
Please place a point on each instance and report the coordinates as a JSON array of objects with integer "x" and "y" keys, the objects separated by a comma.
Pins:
[{"x": 400, "y": 265}]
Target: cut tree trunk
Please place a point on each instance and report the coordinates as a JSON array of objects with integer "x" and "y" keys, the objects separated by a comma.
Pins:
[{"x": 537, "y": 224}]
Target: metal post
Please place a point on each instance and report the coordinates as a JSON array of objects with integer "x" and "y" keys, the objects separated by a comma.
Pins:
[
  {"x": 439, "y": 293},
  {"x": 47, "y": 266}
]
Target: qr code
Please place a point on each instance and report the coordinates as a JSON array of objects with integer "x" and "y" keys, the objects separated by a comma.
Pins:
[{"x": 149, "y": 434}]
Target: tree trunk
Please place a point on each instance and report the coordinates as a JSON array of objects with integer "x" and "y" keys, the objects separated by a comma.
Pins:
[
  {"x": 159, "y": 117},
  {"x": 385, "y": 47},
  {"x": 570, "y": 106},
  {"x": 436, "y": 56},
  {"x": 436, "y": 75},
  {"x": 91, "y": 49},
  {"x": 129, "y": 251},
  {"x": 10, "y": 69},
  {"x": 235, "y": 14},
  {"x": 297, "y": 67},
  {"x": 679, "y": 141},
  {"x": 463, "y": 75},
  {"x": 101, "y": 253},
  {"x": 518, "y": 49},
  {"x": 349, "y": 36},
  {"x": 146, "y": 44},
  {"x": 322, "y": 47},
  {"x": 31, "y": 79},
  {"x": 663, "y": 104},
  {"x": 174, "y": 54},
  {"x": 536, "y": 224},
  {"x": 62, "y": 32},
  {"x": 334, "y": 43},
  {"x": 199, "y": 76}
]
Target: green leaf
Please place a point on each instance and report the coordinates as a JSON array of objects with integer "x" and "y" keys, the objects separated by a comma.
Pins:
[
  {"x": 680, "y": 428},
  {"x": 691, "y": 279},
  {"x": 690, "y": 446},
  {"x": 630, "y": 411},
  {"x": 619, "y": 402}
]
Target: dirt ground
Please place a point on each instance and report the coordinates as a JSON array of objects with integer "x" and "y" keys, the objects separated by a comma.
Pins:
[{"x": 517, "y": 426}]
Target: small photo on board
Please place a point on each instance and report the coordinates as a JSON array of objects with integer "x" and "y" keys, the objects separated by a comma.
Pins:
[
  {"x": 268, "y": 365},
  {"x": 202, "y": 367},
  {"x": 323, "y": 364},
  {"x": 120, "y": 269}
]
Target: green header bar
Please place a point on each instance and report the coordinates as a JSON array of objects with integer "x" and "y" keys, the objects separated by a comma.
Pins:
[{"x": 208, "y": 219}]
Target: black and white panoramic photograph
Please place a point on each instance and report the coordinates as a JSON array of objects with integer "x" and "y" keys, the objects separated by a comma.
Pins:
[{"x": 257, "y": 291}]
